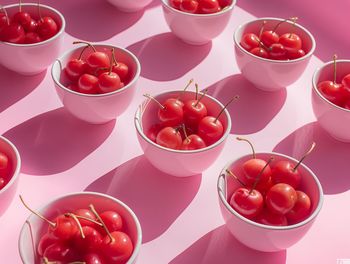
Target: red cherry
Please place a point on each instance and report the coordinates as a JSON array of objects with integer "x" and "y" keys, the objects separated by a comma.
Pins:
[
  {"x": 301, "y": 208},
  {"x": 13, "y": 33},
  {"x": 281, "y": 198},
  {"x": 73, "y": 87},
  {"x": 169, "y": 137},
  {"x": 2, "y": 183},
  {"x": 294, "y": 54},
  {"x": 4, "y": 161},
  {"x": 268, "y": 218},
  {"x": 122, "y": 70},
  {"x": 119, "y": 249},
  {"x": 32, "y": 37},
  {"x": 247, "y": 203},
  {"x": 3, "y": 21},
  {"x": 193, "y": 142},
  {"x": 291, "y": 41},
  {"x": 224, "y": 3},
  {"x": 332, "y": 91},
  {"x": 153, "y": 132},
  {"x": 45, "y": 241},
  {"x": 75, "y": 68},
  {"x": 260, "y": 52},
  {"x": 112, "y": 220},
  {"x": 87, "y": 84},
  {"x": 269, "y": 37},
  {"x": 22, "y": 18},
  {"x": 171, "y": 113},
  {"x": 47, "y": 28},
  {"x": 65, "y": 227},
  {"x": 210, "y": 129},
  {"x": 98, "y": 59},
  {"x": 92, "y": 258},
  {"x": 277, "y": 52},
  {"x": 91, "y": 242},
  {"x": 208, "y": 6},
  {"x": 175, "y": 4},
  {"x": 250, "y": 41},
  {"x": 189, "y": 6},
  {"x": 87, "y": 214},
  {"x": 32, "y": 26},
  {"x": 109, "y": 82},
  {"x": 60, "y": 252},
  {"x": 194, "y": 111},
  {"x": 252, "y": 169},
  {"x": 284, "y": 172},
  {"x": 346, "y": 81}
]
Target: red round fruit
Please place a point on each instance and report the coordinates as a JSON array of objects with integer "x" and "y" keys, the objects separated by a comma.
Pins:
[
  {"x": 97, "y": 59},
  {"x": 283, "y": 172},
  {"x": 45, "y": 241},
  {"x": 2, "y": 183},
  {"x": 224, "y": 3},
  {"x": 269, "y": 37},
  {"x": 252, "y": 170},
  {"x": 32, "y": 37},
  {"x": 291, "y": 41},
  {"x": 171, "y": 114},
  {"x": 65, "y": 228},
  {"x": 92, "y": 258},
  {"x": 4, "y": 161},
  {"x": 294, "y": 54},
  {"x": 87, "y": 214},
  {"x": 281, "y": 198},
  {"x": 169, "y": 137},
  {"x": 109, "y": 82},
  {"x": 250, "y": 41},
  {"x": 268, "y": 218},
  {"x": 332, "y": 91},
  {"x": 260, "y": 52},
  {"x": 91, "y": 242},
  {"x": 175, "y": 4},
  {"x": 112, "y": 220},
  {"x": 248, "y": 203},
  {"x": 194, "y": 112},
  {"x": 208, "y": 6},
  {"x": 21, "y": 18},
  {"x": 210, "y": 129},
  {"x": 189, "y": 6},
  {"x": 47, "y": 28},
  {"x": 32, "y": 26},
  {"x": 277, "y": 52},
  {"x": 60, "y": 252},
  {"x": 88, "y": 84},
  {"x": 301, "y": 209},
  {"x": 193, "y": 142},
  {"x": 119, "y": 250},
  {"x": 13, "y": 33},
  {"x": 75, "y": 68},
  {"x": 153, "y": 132},
  {"x": 122, "y": 70}
]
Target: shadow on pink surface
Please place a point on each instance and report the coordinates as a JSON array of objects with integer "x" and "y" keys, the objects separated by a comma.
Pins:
[
  {"x": 326, "y": 20},
  {"x": 14, "y": 86},
  {"x": 55, "y": 141},
  {"x": 164, "y": 57},
  {"x": 329, "y": 161},
  {"x": 156, "y": 198},
  {"x": 254, "y": 109},
  {"x": 219, "y": 246}
]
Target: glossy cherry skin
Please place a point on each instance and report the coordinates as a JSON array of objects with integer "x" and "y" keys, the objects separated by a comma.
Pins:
[
  {"x": 112, "y": 220},
  {"x": 171, "y": 114},
  {"x": 224, "y": 3},
  {"x": 13, "y": 33},
  {"x": 88, "y": 214},
  {"x": 109, "y": 82},
  {"x": 301, "y": 209},
  {"x": 277, "y": 52},
  {"x": 119, "y": 250},
  {"x": 45, "y": 241},
  {"x": 60, "y": 252},
  {"x": 208, "y": 6},
  {"x": 122, "y": 70},
  {"x": 189, "y": 6},
  {"x": 88, "y": 84},
  {"x": 32, "y": 37},
  {"x": 97, "y": 59},
  {"x": 193, "y": 142},
  {"x": 194, "y": 112},
  {"x": 92, "y": 258},
  {"x": 169, "y": 137},
  {"x": 283, "y": 172},
  {"x": 252, "y": 169},
  {"x": 210, "y": 129},
  {"x": 153, "y": 132},
  {"x": 294, "y": 54},
  {"x": 269, "y": 37},
  {"x": 260, "y": 52},
  {"x": 334, "y": 92},
  {"x": 248, "y": 203},
  {"x": 91, "y": 242},
  {"x": 4, "y": 161},
  {"x": 250, "y": 41},
  {"x": 291, "y": 41},
  {"x": 65, "y": 228},
  {"x": 22, "y": 18},
  {"x": 346, "y": 81},
  {"x": 3, "y": 21},
  {"x": 2, "y": 183},
  {"x": 47, "y": 28},
  {"x": 281, "y": 198},
  {"x": 268, "y": 218},
  {"x": 75, "y": 68},
  {"x": 32, "y": 26},
  {"x": 175, "y": 4}
]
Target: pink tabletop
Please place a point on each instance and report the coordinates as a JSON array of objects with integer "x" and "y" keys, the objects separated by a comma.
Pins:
[{"x": 180, "y": 218}]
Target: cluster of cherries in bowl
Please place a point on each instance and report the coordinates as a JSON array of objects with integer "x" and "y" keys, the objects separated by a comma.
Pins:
[
  {"x": 200, "y": 6},
  {"x": 186, "y": 125},
  {"x": 270, "y": 195},
  {"x": 5, "y": 170},
  {"x": 337, "y": 93},
  {"x": 84, "y": 236},
  {"x": 97, "y": 73},
  {"x": 25, "y": 28},
  {"x": 270, "y": 45}
]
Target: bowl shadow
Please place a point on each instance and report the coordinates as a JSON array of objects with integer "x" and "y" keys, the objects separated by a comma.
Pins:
[
  {"x": 219, "y": 246},
  {"x": 164, "y": 57},
  {"x": 328, "y": 160},
  {"x": 156, "y": 198},
  {"x": 254, "y": 109},
  {"x": 55, "y": 141},
  {"x": 98, "y": 20},
  {"x": 14, "y": 86}
]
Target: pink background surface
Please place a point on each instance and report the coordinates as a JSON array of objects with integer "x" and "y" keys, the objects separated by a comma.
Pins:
[{"x": 180, "y": 218}]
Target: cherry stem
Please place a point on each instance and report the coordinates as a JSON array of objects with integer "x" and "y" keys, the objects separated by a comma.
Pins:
[
  {"x": 281, "y": 22},
  {"x": 88, "y": 219},
  {"x": 236, "y": 178},
  {"x": 262, "y": 29},
  {"x": 223, "y": 109},
  {"x": 154, "y": 99},
  {"x": 294, "y": 20},
  {"x": 20, "y": 5},
  {"x": 250, "y": 143},
  {"x": 37, "y": 214},
  {"x": 185, "y": 133},
  {"x": 202, "y": 96},
  {"x": 260, "y": 173},
  {"x": 184, "y": 90},
  {"x": 82, "y": 52},
  {"x": 335, "y": 57},
  {"x": 87, "y": 43},
  {"x": 111, "y": 62},
  {"x": 92, "y": 208},
  {"x": 6, "y": 15},
  {"x": 78, "y": 223},
  {"x": 114, "y": 58},
  {"x": 39, "y": 10},
  {"x": 197, "y": 90},
  {"x": 313, "y": 145}
]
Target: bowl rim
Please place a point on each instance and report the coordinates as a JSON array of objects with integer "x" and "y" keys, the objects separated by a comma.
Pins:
[
  {"x": 138, "y": 126},
  {"x": 268, "y": 227},
  {"x": 240, "y": 27},
  {"x": 60, "y": 32},
  {"x": 227, "y": 9},
  {"x": 16, "y": 172},
  {"x": 138, "y": 243},
  {"x": 314, "y": 84},
  {"x": 66, "y": 54}
]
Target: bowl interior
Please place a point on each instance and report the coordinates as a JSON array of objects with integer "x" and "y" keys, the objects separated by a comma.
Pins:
[
  {"x": 70, "y": 203},
  {"x": 286, "y": 27},
  {"x": 326, "y": 73},
  {"x": 7, "y": 149},
  {"x": 309, "y": 183},
  {"x": 150, "y": 109},
  {"x": 120, "y": 54}
]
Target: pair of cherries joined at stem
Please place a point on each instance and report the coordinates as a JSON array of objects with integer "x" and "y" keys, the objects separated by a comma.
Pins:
[
  {"x": 84, "y": 237},
  {"x": 97, "y": 73},
  {"x": 270, "y": 45},
  {"x": 24, "y": 28},
  {"x": 186, "y": 125},
  {"x": 270, "y": 195},
  {"x": 200, "y": 6},
  {"x": 337, "y": 93}
]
